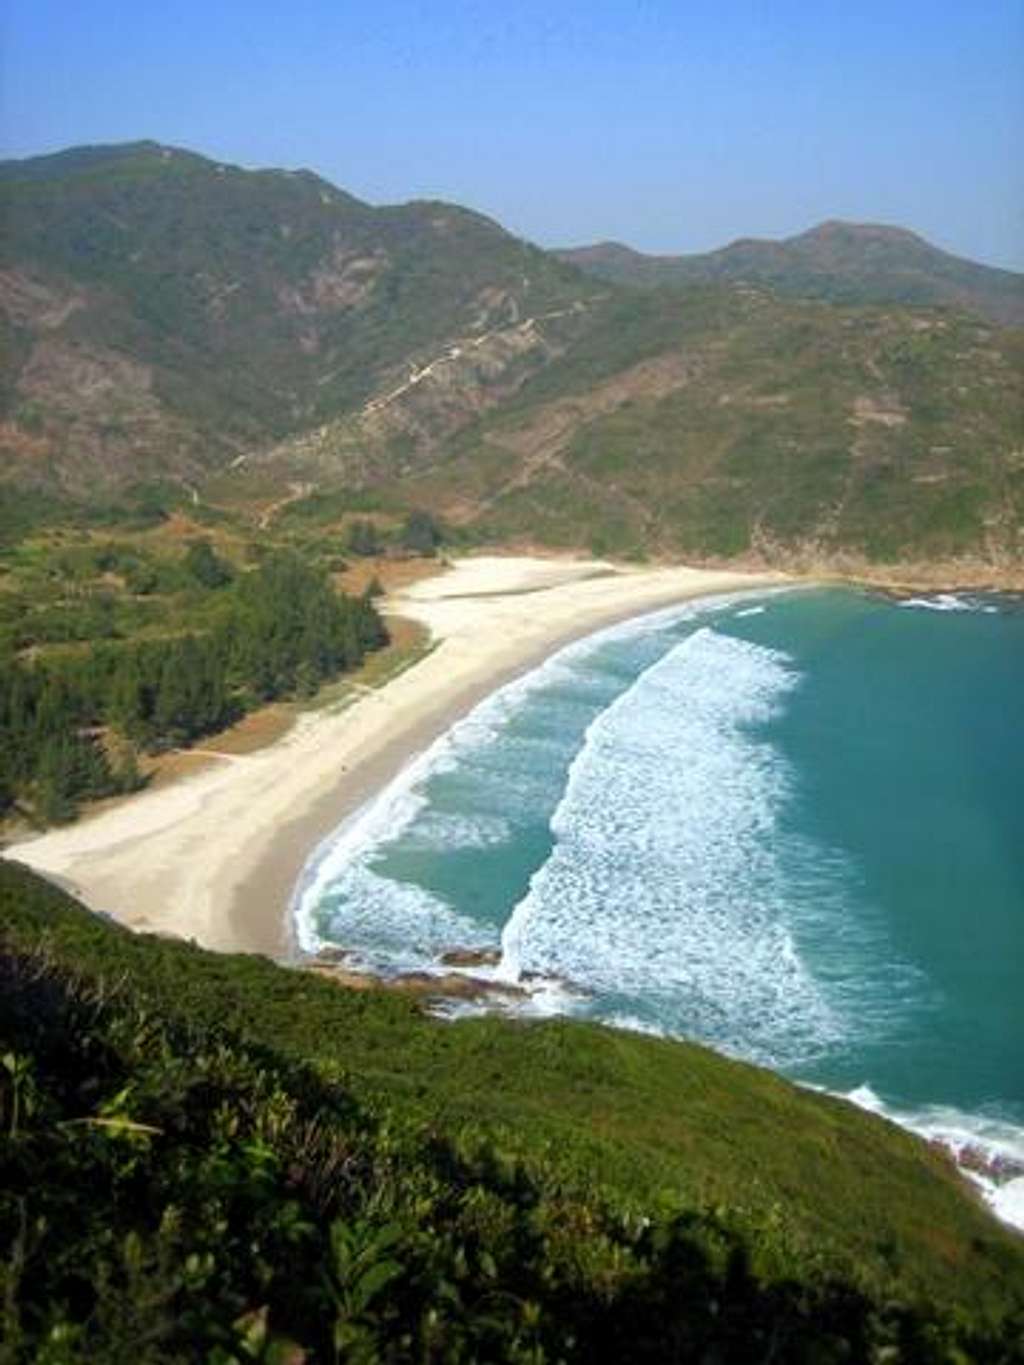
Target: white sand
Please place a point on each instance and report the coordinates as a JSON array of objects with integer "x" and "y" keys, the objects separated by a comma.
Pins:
[{"x": 215, "y": 857}]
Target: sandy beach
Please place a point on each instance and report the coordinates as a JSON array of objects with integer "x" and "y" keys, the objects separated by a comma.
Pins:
[{"x": 216, "y": 857}]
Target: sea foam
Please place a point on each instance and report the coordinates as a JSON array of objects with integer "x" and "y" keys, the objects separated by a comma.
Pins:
[
  {"x": 663, "y": 892},
  {"x": 342, "y": 899},
  {"x": 395, "y": 926},
  {"x": 391, "y": 925},
  {"x": 982, "y": 1145},
  {"x": 950, "y": 601}
]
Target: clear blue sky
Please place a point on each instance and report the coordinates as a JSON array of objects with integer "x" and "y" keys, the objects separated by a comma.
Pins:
[{"x": 669, "y": 125}]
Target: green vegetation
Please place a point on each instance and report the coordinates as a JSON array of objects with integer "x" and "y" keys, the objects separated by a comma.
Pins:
[
  {"x": 229, "y": 307},
  {"x": 841, "y": 262},
  {"x": 205, "y": 566},
  {"x": 208, "y": 1157},
  {"x": 754, "y": 424},
  {"x": 280, "y": 630},
  {"x": 419, "y": 535},
  {"x": 364, "y": 539},
  {"x": 274, "y": 351}
]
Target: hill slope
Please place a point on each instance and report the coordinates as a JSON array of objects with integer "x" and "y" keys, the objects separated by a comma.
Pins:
[
  {"x": 841, "y": 262},
  {"x": 162, "y": 312},
  {"x": 725, "y": 421},
  {"x": 213, "y": 1154},
  {"x": 261, "y": 335}
]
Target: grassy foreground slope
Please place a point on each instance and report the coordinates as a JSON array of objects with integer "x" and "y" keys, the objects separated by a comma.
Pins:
[{"x": 210, "y": 1157}]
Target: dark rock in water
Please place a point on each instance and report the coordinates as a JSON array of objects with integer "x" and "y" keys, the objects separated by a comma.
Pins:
[
  {"x": 994, "y": 1166},
  {"x": 549, "y": 978},
  {"x": 423, "y": 985},
  {"x": 471, "y": 957},
  {"x": 455, "y": 987},
  {"x": 329, "y": 955}
]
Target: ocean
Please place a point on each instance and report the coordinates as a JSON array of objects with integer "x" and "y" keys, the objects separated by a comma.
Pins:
[{"x": 787, "y": 824}]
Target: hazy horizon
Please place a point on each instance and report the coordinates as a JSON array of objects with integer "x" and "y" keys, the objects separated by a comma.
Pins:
[{"x": 670, "y": 129}]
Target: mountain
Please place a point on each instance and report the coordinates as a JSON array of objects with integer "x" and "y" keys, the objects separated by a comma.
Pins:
[
  {"x": 165, "y": 313},
  {"x": 261, "y": 338},
  {"x": 842, "y": 262},
  {"x": 725, "y": 421},
  {"x": 213, "y": 1157}
]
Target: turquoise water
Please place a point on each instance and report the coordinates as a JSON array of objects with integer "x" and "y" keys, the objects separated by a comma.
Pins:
[{"x": 791, "y": 826}]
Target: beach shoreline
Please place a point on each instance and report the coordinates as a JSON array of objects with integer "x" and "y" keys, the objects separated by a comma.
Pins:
[{"x": 217, "y": 857}]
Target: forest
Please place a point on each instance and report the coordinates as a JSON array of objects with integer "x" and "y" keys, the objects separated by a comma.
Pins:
[{"x": 73, "y": 720}]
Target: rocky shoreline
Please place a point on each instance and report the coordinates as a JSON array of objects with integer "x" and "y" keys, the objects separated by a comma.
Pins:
[
  {"x": 457, "y": 984},
  {"x": 973, "y": 1159}
]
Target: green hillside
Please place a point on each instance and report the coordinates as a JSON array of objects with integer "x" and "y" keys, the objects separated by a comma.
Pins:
[
  {"x": 164, "y": 312},
  {"x": 841, "y": 262},
  {"x": 211, "y": 1157},
  {"x": 252, "y": 339},
  {"x": 721, "y": 422}
]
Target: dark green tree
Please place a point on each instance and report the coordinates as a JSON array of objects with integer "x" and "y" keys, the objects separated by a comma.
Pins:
[
  {"x": 421, "y": 534},
  {"x": 363, "y": 539},
  {"x": 55, "y": 794},
  {"x": 207, "y": 567},
  {"x": 126, "y": 698},
  {"x": 126, "y": 774},
  {"x": 7, "y": 788}
]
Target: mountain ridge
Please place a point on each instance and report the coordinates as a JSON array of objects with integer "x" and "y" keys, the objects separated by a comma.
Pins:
[
  {"x": 168, "y": 317},
  {"x": 830, "y": 260},
  {"x": 250, "y": 303}
]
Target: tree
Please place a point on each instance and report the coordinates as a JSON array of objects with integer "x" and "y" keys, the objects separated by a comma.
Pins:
[
  {"x": 7, "y": 791},
  {"x": 420, "y": 534},
  {"x": 126, "y": 701},
  {"x": 170, "y": 707},
  {"x": 140, "y": 578},
  {"x": 363, "y": 539},
  {"x": 281, "y": 629},
  {"x": 206, "y": 567},
  {"x": 126, "y": 772},
  {"x": 56, "y": 788},
  {"x": 70, "y": 767}
]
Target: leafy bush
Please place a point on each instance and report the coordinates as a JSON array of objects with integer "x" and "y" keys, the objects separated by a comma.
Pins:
[
  {"x": 215, "y": 1159},
  {"x": 206, "y": 567}
]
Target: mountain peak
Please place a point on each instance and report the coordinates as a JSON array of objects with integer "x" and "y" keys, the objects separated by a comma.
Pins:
[
  {"x": 840, "y": 228},
  {"x": 836, "y": 260}
]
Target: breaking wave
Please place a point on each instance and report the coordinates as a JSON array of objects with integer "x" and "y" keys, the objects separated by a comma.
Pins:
[
  {"x": 989, "y": 1149},
  {"x": 671, "y": 894}
]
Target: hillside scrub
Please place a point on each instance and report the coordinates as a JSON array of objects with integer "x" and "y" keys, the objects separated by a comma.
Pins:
[
  {"x": 214, "y": 1158},
  {"x": 280, "y": 630}
]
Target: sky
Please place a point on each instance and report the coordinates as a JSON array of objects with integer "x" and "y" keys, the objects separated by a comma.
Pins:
[{"x": 668, "y": 125}]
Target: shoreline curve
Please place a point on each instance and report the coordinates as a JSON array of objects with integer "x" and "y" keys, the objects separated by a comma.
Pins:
[{"x": 217, "y": 857}]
